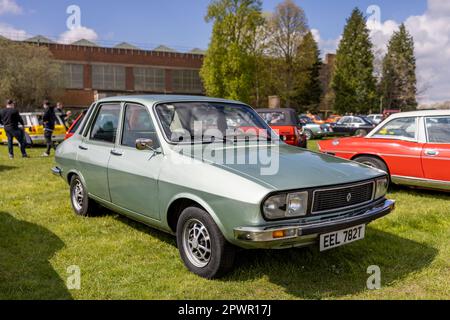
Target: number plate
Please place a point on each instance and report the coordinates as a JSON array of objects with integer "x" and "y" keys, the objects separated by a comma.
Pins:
[{"x": 341, "y": 238}]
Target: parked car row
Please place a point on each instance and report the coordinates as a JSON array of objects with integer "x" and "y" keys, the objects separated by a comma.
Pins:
[{"x": 34, "y": 127}]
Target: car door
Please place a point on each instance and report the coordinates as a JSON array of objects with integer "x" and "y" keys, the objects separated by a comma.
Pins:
[
  {"x": 436, "y": 152},
  {"x": 397, "y": 142},
  {"x": 95, "y": 148},
  {"x": 133, "y": 174}
]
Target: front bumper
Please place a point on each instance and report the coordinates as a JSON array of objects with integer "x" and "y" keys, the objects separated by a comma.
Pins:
[{"x": 296, "y": 235}]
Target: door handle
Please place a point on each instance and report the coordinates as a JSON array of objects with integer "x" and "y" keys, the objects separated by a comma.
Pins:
[
  {"x": 432, "y": 153},
  {"x": 116, "y": 153},
  {"x": 83, "y": 148}
]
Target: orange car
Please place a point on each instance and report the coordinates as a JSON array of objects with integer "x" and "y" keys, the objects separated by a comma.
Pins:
[
  {"x": 333, "y": 118},
  {"x": 316, "y": 119}
]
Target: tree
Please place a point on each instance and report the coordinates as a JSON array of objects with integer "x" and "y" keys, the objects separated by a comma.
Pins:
[
  {"x": 229, "y": 67},
  {"x": 353, "y": 82},
  {"x": 399, "y": 82},
  {"x": 28, "y": 74},
  {"x": 309, "y": 86},
  {"x": 287, "y": 27}
]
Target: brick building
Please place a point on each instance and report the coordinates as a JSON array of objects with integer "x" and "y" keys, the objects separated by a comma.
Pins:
[{"x": 92, "y": 72}]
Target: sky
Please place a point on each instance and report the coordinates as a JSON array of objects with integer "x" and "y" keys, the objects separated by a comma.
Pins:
[{"x": 180, "y": 24}]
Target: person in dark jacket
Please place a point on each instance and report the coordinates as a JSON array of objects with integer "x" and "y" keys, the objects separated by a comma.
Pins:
[
  {"x": 10, "y": 118},
  {"x": 49, "y": 126}
]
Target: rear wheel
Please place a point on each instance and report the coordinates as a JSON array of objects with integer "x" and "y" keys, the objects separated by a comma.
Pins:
[
  {"x": 373, "y": 162},
  {"x": 81, "y": 204},
  {"x": 203, "y": 248},
  {"x": 361, "y": 133}
]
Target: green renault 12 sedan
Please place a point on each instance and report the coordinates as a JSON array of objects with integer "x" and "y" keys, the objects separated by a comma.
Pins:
[{"x": 213, "y": 173}]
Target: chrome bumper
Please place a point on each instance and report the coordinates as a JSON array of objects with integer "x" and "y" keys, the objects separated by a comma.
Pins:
[
  {"x": 306, "y": 234},
  {"x": 57, "y": 171}
]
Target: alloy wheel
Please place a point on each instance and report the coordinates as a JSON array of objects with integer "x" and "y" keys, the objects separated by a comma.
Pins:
[{"x": 197, "y": 243}]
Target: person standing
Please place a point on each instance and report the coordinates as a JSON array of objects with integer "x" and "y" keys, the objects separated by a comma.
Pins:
[
  {"x": 59, "y": 111},
  {"x": 10, "y": 118},
  {"x": 49, "y": 126}
]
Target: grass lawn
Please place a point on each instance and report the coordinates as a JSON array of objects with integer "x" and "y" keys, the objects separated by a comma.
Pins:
[{"x": 40, "y": 238}]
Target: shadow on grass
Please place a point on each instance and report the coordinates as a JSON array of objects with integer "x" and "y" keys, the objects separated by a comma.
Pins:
[
  {"x": 308, "y": 274},
  {"x": 25, "y": 270},
  {"x": 427, "y": 193},
  {"x": 6, "y": 168}
]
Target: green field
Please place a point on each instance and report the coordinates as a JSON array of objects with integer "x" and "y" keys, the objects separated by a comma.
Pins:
[{"x": 120, "y": 259}]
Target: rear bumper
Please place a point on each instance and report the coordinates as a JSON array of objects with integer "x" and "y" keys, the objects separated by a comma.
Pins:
[{"x": 296, "y": 235}]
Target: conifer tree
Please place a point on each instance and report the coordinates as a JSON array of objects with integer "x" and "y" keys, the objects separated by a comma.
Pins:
[{"x": 353, "y": 82}]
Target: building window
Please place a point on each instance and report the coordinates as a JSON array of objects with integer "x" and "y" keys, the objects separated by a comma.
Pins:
[
  {"x": 186, "y": 81},
  {"x": 107, "y": 77},
  {"x": 149, "y": 79},
  {"x": 73, "y": 76}
]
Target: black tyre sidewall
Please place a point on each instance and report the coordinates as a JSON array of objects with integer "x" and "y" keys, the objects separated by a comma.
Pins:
[
  {"x": 377, "y": 163},
  {"x": 309, "y": 134},
  {"x": 222, "y": 253}
]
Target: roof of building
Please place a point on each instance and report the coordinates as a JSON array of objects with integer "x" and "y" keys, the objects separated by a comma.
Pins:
[
  {"x": 126, "y": 45},
  {"x": 85, "y": 43},
  {"x": 39, "y": 39},
  {"x": 163, "y": 48},
  {"x": 197, "y": 51},
  {"x": 153, "y": 99}
]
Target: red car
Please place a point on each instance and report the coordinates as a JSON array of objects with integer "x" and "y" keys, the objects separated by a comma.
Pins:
[
  {"x": 75, "y": 125},
  {"x": 286, "y": 123},
  {"x": 413, "y": 147}
]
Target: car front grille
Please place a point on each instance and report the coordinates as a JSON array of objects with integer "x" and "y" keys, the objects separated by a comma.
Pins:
[{"x": 327, "y": 200}]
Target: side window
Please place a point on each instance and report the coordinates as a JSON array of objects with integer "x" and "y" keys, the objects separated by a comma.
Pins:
[
  {"x": 358, "y": 121},
  {"x": 438, "y": 129},
  {"x": 402, "y": 128},
  {"x": 345, "y": 120},
  {"x": 104, "y": 127},
  {"x": 138, "y": 125}
]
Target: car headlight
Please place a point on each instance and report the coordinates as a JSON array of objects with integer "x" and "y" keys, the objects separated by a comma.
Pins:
[
  {"x": 286, "y": 206},
  {"x": 382, "y": 188}
]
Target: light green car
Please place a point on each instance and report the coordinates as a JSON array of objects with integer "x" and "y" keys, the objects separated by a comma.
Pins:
[{"x": 211, "y": 172}]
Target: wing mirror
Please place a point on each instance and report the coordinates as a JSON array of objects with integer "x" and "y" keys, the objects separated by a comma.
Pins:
[{"x": 144, "y": 144}]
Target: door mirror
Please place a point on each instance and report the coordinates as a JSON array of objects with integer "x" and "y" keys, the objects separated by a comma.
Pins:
[{"x": 144, "y": 144}]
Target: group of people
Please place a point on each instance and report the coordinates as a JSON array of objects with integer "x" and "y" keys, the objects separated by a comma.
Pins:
[{"x": 14, "y": 125}]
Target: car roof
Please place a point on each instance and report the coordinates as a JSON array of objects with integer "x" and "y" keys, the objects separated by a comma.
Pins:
[
  {"x": 423, "y": 113},
  {"x": 155, "y": 99}
]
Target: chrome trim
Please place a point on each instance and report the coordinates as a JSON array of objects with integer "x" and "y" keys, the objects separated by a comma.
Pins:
[
  {"x": 57, "y": 171},
  {"x": 344, "y": 187},
  {"x": 423, "y": 183},
  {"x": 303, "y": 231}
]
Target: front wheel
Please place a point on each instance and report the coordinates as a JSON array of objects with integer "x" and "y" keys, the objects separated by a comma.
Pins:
[
  {"x": 203, "y": 248},
  {"x": 309, "y": 134}
]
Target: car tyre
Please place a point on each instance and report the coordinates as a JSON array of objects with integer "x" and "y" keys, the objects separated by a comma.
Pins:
[
  {"x": 361, "y": 133},
  {"x": 309, "y": 134},
  {"x": 81, "y": 203},
  {"x": 203, "y": 248},
  {"x": 373, "y": 162}
]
